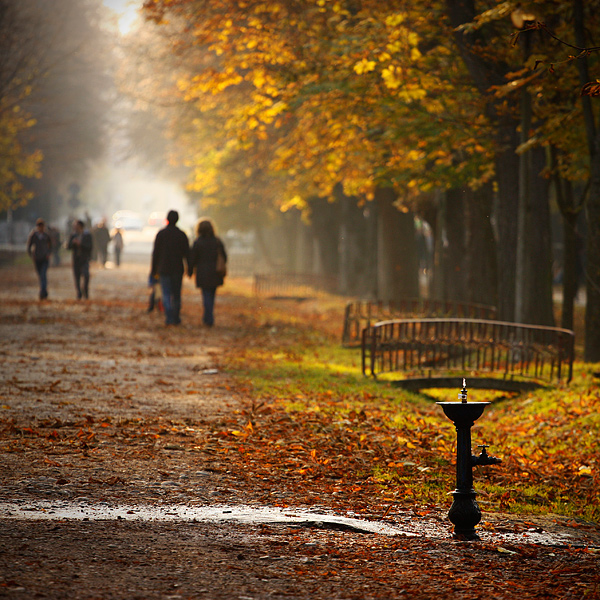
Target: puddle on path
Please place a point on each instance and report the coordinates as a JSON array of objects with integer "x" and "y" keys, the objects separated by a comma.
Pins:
[
  {"x": 409, "y": 526},
  {"x": 58, "y": 510}
]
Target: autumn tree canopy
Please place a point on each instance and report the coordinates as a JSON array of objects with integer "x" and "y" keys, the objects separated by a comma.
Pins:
[
  {"x": 300, "y": 97},
  {"x": 322, "y": 93},
  {"x": 54, "y": 97},
  {"x": 19, "y": 65}
]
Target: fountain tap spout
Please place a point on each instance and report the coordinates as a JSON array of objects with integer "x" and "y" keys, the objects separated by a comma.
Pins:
[{"x": 484, "y": 458}]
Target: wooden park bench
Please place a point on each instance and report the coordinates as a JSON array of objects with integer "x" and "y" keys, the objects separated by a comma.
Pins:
[
  {"x": 492, "y": 354},
  {"x": 362, "y": 314}
]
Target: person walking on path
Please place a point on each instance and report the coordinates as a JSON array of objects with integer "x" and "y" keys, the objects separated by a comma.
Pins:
[
  {"x": 54, "y": 234},
  {"x": 208, "y": 257},
  {"x": 39, "y": 247},
  {"x": 171, "y": 250},
  {"x": 118, "y": 245},
  {"x": 81, "y": 244},
  {"x": 101, "y": 240}
]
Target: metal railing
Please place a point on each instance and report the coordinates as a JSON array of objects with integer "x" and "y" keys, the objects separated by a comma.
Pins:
[
  {"x": 293, "y": 285},
  {"x": 361, "y": 314},
  {"x": 468, "y": 345}
]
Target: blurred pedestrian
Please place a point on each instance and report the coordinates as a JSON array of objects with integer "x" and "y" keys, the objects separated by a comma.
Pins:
[
  {"x": 81, "y": 244},
  {"x": 54, "y": 234},
  {"x": 208, "y": 258},
  {"x": 171, "y": 250},
  {"x": 118, "y": 244},
  {"x": 101, "y": 240},
  {"x": 39, "y": 247}
]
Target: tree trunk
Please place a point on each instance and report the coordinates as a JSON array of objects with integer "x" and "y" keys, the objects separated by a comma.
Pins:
[
  {"x": 572, "y": 265},
  {"x": 592, "y": 266},
  {"x": 353, "y": 247},
  {"x": 486, "y": 74},
  {"x": 482, "y": 270},
  {"x": 398, "y": 268},
  {"x": 371, "y": 289},
  {"x": 537, "y": 272},
  {"x": 438, "y": 283},
  {"x": 325, "y": 221},
  {"x": 571, "y": 259},
  {"x": 455, "y": 228},
  {"x": 507, "y": 169},
  {"x": 467, "y": 270}
]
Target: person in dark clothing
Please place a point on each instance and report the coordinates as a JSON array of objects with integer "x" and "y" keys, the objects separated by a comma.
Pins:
[
  {"x": 39, "y": 247},
  {"x": 171, "y": 250},
  {"x": 81, "y": 244},
  {"x": 204, "y": 258},
  {"x": 101, "y": 241},
  {"x": 54, "y": 234},
  {"x": 118, "y": 244}
]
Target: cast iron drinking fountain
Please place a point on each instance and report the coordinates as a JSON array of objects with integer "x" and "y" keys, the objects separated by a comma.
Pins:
[{"x": 464, "y": 512}]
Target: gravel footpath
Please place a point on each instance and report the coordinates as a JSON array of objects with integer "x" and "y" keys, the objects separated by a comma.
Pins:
[{"x": 104, "y": 408}]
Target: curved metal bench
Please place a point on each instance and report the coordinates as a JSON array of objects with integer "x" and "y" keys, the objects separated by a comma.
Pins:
[
  {"x": 361, "y": 314},
  {"x": 522, "y": 355}
]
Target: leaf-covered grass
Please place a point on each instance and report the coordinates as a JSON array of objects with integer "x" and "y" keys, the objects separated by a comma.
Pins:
[{"x": 398, "y": 447}]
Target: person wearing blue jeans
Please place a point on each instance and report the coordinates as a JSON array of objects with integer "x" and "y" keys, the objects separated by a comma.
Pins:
[
  {"x": 208, "y": 258},
  {"x": 208, "y": 302},
  {"x": 39, "y": 247},
  {"x": 171, "y": 250},
  {"x": 170, "y": 286}
]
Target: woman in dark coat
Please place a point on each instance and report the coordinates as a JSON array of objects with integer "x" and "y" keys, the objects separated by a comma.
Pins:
[{"x": 203, "y": 258}]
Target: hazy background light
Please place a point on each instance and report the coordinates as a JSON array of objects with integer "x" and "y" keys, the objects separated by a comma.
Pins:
[{"x": 126, "y": 11}]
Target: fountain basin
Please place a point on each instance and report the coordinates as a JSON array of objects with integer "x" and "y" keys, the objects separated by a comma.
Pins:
[{"x": 463, "y": 413}]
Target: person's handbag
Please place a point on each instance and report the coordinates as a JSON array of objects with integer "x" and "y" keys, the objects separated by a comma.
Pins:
[{"x": 221, "y": 264}]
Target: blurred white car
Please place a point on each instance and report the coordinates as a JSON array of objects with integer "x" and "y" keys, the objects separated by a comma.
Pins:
[{"x": 128, "y": 220}]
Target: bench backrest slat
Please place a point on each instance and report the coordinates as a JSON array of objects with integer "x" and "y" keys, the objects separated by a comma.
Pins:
[
  {"x": 360, "y": 314},
  {"x": 458, "y": 344}
]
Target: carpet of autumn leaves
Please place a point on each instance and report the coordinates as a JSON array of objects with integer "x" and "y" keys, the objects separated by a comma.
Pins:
[
  {"x": 318, "y": 419},
  {"x": 100, "y": 401}
]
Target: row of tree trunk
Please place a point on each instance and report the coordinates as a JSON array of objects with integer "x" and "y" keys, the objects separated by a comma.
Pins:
[{"x": 376, "y": 251}]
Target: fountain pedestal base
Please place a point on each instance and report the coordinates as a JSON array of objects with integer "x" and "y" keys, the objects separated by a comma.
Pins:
[{"x": 465, "y": 514}]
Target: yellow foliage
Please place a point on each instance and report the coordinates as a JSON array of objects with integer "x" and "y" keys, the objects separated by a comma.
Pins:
[
  {"x": 394, "y": 20},
  {"x": 390, "y": 77},
  {"x": 16, "y": 164},
  {"x": 259, "y": 79},
  {"x": 395, "y": 47},
  {"x": 413, "y": 39},
  {"x": 294, "y": 202},
  {"x": 414, "y": 155},
  {"x": 282, "y": 91},
  {"x": 415, "y": 54},
  {"x": 364, "y": 66}
]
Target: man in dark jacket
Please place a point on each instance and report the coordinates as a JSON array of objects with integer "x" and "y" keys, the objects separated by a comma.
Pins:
[
  {"x": 171, "y": 249},
  {"x": 81, "y": 244},
  {"x": 39, "y": 247}
]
